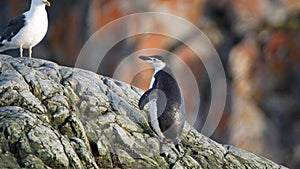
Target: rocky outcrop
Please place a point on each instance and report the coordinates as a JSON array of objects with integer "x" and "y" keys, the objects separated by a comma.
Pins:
[{"x": 58, "y": 117}]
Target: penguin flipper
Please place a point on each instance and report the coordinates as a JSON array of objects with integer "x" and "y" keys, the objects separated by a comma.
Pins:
[{"x": 147, "y": 97}]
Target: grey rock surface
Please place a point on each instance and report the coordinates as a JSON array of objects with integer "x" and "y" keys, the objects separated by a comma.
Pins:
[{"x": 58, "y": 117}]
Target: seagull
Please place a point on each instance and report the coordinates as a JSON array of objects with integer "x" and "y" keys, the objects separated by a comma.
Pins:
[{"x": 26, "y": 30}]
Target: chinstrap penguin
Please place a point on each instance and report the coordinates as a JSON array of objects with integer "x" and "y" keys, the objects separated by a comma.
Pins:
[
  {"x": 26, "y": 30},
  {"x": 166, "y": 103}
]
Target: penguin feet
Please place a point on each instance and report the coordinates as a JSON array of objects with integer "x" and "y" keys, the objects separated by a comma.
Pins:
[
  {"x": 167, "y": 152},
  {"x": 164, "y": 140},
  {"x": 167, "y": 141},
  {"x": 161, "y": 139},
  {"x": 167, "y": 147},
  {"x": 179, "y": 150}
]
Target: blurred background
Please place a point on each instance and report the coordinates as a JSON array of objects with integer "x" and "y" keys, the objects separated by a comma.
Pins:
[{"x": 258, "y": 42}]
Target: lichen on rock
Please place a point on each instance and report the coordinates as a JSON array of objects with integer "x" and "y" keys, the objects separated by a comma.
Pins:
[{"x": 57, "y": 117}]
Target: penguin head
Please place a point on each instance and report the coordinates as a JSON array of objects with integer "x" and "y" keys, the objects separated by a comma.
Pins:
[{"x": 156, "y": 61}]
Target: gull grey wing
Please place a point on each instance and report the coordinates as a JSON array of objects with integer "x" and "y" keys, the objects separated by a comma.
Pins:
[
  {"x": 14, "y": 26},
  {"x": 147, "y": 97}
]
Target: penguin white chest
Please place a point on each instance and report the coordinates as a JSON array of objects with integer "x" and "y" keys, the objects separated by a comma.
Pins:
[
  {"x": 154, "y": 114},
  {"x": 154, "y": 118}
]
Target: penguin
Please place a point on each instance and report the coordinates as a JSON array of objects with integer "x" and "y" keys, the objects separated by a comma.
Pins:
[{"x": 166, "y": 103}]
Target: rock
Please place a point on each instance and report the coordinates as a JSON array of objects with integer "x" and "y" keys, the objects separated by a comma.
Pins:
[{"x": 58, "y": 117}]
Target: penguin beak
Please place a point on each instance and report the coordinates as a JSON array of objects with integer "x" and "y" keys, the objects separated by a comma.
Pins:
[
  {"x": 145, "y": 58},
  {"x": 47, "y": 3}
]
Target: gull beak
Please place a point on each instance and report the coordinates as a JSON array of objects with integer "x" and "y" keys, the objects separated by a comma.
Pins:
[{"x": 47, "y": 3}]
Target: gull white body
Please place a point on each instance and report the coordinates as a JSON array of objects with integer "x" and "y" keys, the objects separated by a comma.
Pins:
[{"x": 32, "y": 32}]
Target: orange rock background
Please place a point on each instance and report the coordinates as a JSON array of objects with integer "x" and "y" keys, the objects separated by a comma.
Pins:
[{"x": 258, "y": 42}]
